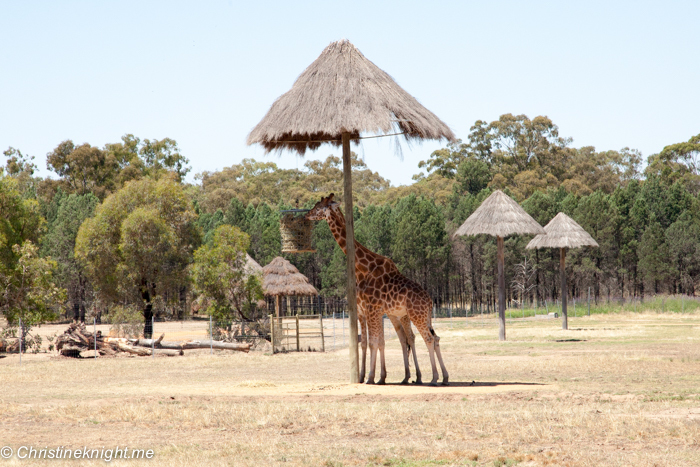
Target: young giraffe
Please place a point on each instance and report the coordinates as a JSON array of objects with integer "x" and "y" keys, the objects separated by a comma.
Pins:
[{"x": 381, "y": 289}]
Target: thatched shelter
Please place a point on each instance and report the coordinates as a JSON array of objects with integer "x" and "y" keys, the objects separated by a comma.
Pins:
[
  {"x": 562, "y": 232},
  {"x": 343, "y": 92},
  {"x": 282, "y": 279},
  {"x": 340, "y": 96},
  {"x": 499, "y": 215}
]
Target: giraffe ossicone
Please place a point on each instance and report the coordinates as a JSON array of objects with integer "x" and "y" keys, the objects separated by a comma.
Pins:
[{"x": 382, "y": 289}]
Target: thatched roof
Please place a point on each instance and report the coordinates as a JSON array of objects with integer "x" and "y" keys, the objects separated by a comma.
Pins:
[
  {"x": 252, "y": 266},
  {"x": 499, "y": 215},
  {"x": 280, "y": 277},
  {"x": 343, "y": 91},
  {"x": 562, "y": 232}
]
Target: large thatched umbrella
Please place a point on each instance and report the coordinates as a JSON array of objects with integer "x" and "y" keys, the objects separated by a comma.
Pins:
[
  {"x": 562, "y": 232},
  {"x": 282, "y": 279},
  {"x": 335, "y": 100},
  {"x": 499, "y": 215}
]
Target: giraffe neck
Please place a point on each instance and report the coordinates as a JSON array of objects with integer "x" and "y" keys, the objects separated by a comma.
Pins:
[
  {"x": 363, "y": 256},
  {"x": 336, "y": 222}
]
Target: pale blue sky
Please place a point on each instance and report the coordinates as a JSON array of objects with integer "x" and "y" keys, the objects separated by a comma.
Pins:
[{"x": 609, "y": 74}]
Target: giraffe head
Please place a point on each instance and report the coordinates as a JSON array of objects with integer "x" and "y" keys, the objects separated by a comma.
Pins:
[{"x": 322, "y": 209}]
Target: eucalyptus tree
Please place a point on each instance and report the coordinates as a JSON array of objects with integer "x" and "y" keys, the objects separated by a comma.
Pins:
[
  {"x": 64, "y": 221},
  {"x": 219, "y": 275},
  {"x": 139, "y": 244}
]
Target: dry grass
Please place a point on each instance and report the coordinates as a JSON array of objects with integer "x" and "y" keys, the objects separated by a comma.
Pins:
[{"x": 614, "y": 390}]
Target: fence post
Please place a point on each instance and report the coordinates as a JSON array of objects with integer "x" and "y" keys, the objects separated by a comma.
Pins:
[
  {"x": 94, "y": 333},
  {"x": 211, "y": 336},
  {"x": 342, "y": 320},
  {"x": 546, "y": 307},
  {"x": 297, "y": 332},
  {"x": 323, "y": 342},
  {"x": 574, "y": 298},
  {"x": 333, "y": 331},
  {"x": 272, "y": 333},
  {"x": 682, "y": 304}
]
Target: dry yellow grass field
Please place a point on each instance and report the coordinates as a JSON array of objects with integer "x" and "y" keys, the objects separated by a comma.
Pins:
[{"x": 618, "y": 390}]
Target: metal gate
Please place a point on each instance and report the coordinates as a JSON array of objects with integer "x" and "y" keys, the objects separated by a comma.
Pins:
[{"x": 300, "y": 333}]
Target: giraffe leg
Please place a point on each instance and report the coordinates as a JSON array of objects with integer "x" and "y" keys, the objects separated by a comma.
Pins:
[
  {"x": 382, "y": 362},
  {"x": 374, "y": 326},
  {"x": 426, "y": 330},
  {"x": 398, "y": 326},
  {"x": 411, "y": 342},
  {"x": 363, "y": 340},
  {"x": 445, "y": 376}
]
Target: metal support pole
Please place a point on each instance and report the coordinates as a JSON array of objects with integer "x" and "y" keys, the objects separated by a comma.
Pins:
[
  {"x": 333, "y": 331},
  {"x": 272, "y": 332},
  {"x": 323, "y": 342},
  {"x": 20, "y": 341},
  {"x": 297, "y": 316},
  {"x": 153, "y": 337},
  {"x": 94, "y": 334},
  {"x": 211, "y": 336}
]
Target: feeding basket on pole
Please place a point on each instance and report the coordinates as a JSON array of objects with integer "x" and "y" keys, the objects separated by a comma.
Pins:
[{"x": 296, "y": 231}]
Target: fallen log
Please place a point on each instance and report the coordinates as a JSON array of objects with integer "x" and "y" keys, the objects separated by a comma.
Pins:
[
  {"x": 77, "y": 338},
  {"x": 144, "y": 352},
  {"x": 161, "y": 344},
  {"x": 216, "y": 345}
]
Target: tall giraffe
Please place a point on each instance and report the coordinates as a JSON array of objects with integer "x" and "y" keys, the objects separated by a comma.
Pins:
[{"x": 381, "y": 289}]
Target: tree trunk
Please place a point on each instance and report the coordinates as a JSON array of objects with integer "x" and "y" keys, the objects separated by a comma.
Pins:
[
  {"x": 147, "y": 313},
  {"x": 76, "y": 311}
]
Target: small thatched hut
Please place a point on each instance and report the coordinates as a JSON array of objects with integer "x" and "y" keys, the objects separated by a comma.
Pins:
[
  {"x": 282, "y": 279},
  {"x": 499, "y": 215},
  {"x": 562, "y": 232}
]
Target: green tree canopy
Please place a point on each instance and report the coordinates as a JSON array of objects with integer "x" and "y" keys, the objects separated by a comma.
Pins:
[
  {"x": 219, "y": 275},
  {"x": 139, "y": 243}
]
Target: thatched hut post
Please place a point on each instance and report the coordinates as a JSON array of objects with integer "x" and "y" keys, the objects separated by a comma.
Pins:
[
  {"x": 562, "y": 232},
  {"x": 337, "y": 98},
  {"x": 499, "y": 215}
]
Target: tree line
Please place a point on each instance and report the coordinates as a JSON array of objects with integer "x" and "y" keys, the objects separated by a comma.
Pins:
[{"x": 117, "y": 227}]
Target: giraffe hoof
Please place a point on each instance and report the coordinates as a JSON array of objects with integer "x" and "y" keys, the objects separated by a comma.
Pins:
[
  {"x": 445, "y": 383},
  {"x": 404, "y": 381},
  {"x": 381, "y": 382},
  {"x": 369, "y": 382},
  {"x": 418, "y": 382},
  {"x": 433, "y": 383}
]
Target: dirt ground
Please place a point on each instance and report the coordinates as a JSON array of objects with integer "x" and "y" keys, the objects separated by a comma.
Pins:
[{"x": 613, "y": 390}]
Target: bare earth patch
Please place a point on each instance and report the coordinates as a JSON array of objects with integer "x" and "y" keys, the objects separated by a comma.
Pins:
[{"x": 618, "y": 390}]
